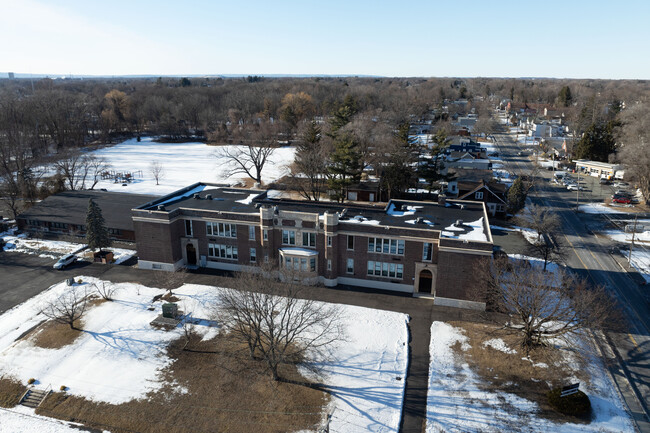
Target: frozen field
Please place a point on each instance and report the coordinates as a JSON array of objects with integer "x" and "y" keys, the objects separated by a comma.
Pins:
[
  {"x": 183, "y": 164},
  {"x": 119, "y": 356}
]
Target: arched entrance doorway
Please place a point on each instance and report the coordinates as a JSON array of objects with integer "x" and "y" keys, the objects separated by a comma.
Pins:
[
  {"x": 426, "y": 281},
  {"x": 191, "y": 254}
]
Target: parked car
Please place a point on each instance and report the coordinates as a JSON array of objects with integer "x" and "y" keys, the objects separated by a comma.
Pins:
[
  {"x": 621, "y": 184},
  {"x": 494, "y": 154},
  {"x": 604, "y": 181},
  {"x": 574, "y": 187},
  {"x": 65, "y": 261},
  {"x": 622, "y": 200}
]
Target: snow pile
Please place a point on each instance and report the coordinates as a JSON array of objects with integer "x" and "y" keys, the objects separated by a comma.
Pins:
[
  {"x": 476, "y": 231},
  {"x": 410, "y": 210},
  {"x": 119, "y": 356},
  {"x": 360, "y": 219},
  {"x": 42, "y": 248},
  {"x": 183, "y": 164},
  {"x": 641, "y": 262},
  {"x": 249, "y": 199},
  {"x": 457, "y": 402},
  {"x": 499, "y": 344}
]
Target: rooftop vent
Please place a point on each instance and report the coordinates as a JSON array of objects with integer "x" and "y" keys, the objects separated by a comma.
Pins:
[
  {"x": 196, "y": 196},
  {"x": 458, "y": 223},
  {"x": 343, "y": 213},
  {"x": 160, "y": 207},
  {"x": 419, "y": 220},
  {"x": 208, "y": 197},
  {"x": 276, "y": 210},
  {"x": 257, "y": 205}
]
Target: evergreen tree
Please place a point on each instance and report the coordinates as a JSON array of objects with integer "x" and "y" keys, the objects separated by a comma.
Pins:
[
  {"x": 597, "y": 142},
  {"x": 96, "y": 232},
  {"x": 345, "y": 165},
  {"x": 430, "y": 168},
  {"x": 310, "y": 163},
  {"x": 516, "y": 196},
  {"x": 397, "y": 173},
  {"x": 564, "y": 97}
]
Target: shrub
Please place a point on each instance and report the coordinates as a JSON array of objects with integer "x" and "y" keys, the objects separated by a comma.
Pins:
[
  {"x": 31, "y": 380},
  {"x": 577, "y": 404},
  {"x": 63, "y": 388},
  {"x": 80, "y": 281}
]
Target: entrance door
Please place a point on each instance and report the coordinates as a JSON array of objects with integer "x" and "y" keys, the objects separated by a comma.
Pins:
[
  {"x": 191, "y": 254},
  {"x": 426, "y": 281}
]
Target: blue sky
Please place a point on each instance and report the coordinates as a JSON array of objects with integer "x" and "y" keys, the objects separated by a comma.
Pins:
[{"x": 573, "y": 39}]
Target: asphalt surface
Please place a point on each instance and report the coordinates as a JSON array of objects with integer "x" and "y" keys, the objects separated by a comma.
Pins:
[{"x": 628, "y": 352}]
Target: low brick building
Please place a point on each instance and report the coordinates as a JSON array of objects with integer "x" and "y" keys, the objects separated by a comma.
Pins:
[
  {"x": 422, "y": 248},
  {"x": 65, "y": 214}
]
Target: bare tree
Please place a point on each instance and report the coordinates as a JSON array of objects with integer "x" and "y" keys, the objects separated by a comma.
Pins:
[
  {"x": 257, "y": 144},
  {"x": 157, "y": 170},
  {"x": 540, "y": 219},
  {"x": 68, "y": 308},
  {"x": 276, "y": 326},
  {"x": 105, "y": 291},
  {"x": 635, "y": 146},
  {"x": 78, "y": 168},
  {"x": 543, "y": 306}
]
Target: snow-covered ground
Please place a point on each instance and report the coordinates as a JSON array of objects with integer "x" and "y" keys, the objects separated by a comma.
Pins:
[
  {"x": 597, "y": 208},
  {"x": 183, "y": 164},
  {"x": 458, "y": 403},
  {"x": 119, "y": 356},
  {"x": 24, "y": 420},
  {"x": 55, "y": 249}
]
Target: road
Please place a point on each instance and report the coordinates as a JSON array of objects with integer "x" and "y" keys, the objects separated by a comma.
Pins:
[{"x": 628, "y": 350}]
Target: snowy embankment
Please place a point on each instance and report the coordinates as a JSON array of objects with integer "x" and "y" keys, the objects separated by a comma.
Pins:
[
  {"x": 458, "y": 401},
  {"x": 599, "y": 208},
  {"x": 182, "y": 163},
  {"x": 120, "y": 357},
  {"x": 55, "y": 249}
]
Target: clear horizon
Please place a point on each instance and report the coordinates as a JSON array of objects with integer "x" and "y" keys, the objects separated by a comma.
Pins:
[{"x": 579, "y": 39}]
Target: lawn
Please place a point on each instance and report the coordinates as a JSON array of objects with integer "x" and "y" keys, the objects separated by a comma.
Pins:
[
  {"x": 120, "y": 372},
  {"x": 479, "y": 380}
]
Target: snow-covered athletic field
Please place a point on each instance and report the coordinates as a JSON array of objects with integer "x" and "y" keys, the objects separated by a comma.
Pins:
[{"x": 183, "y": 164}]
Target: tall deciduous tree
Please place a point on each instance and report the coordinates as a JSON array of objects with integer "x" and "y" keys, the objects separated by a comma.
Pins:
[
  {"x": 635, "y": 146},
  {"x": 96, "y": 231}
]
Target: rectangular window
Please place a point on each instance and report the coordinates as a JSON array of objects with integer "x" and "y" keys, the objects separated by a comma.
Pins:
[
  {"x": 479, "y": 195},
  {"x": 371, "y": 245},
  {"x": 209, "y": 228},
  {"x": 288, "y": 237},
  {"x": 350, "y": 242},
  {"x": 188, "y": 227},
  {"x": 329, "y": 265},
  {"x": 312, "y": 264},
  {"x": 387, "y": 270},
  {"x": 266, "y": 258},
  {"x": 350, "y": 266},
  {"x": 222, "y": 251},
  {"x": 329, "y": 241},
  {"x": 393, "y": 246},
  {"x": 287, "y": 262},
  {"x": 308, "y": 239},
  {"x": 253, "y": 255},
  {"x": 378, "y": 245},
  {"x": 386, "y": 246},
  {"x": 400, "y": 247},
  {"x": 303, "y": 265},
  {"x": 265, "y": 235},
  {"x": 221, "y": 229},
  {"x": 251, "y": 233},
  {"x": 426, "y": 251}
]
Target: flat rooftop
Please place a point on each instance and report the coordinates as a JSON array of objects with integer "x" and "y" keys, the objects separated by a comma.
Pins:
[{"x": 397, "y": 213}]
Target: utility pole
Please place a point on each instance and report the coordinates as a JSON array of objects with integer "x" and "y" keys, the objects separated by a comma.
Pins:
[
  {"x": 578, "y": 192},
  {"x": 629, "y": 257}
]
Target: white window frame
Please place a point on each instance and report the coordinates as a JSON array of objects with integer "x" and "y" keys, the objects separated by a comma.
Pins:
[
  {"x": 329, "y": 264},
  {"x": 349, "y": 266},
  {"x": 253, "y": 255},
  {"x": 188, "y": 225},
  {"x": 350, "y": 238},
  {"x": 251, "y": 233},
  {"x": 290, "y": 237},
  {"x": 478, "y": 195},
  {"x": 311, "y": 236},
  {"x": 265, "y": 234},
  {"x": 329, "y": 241},
  {"x": 427, "y": 257}
]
